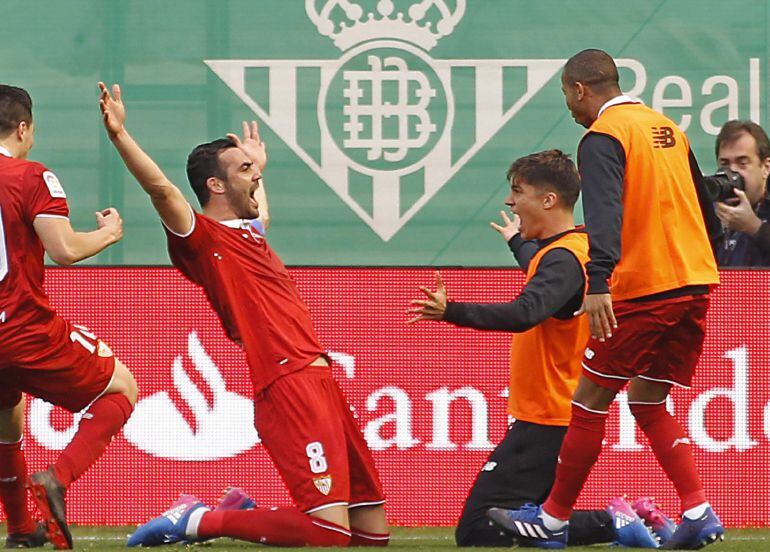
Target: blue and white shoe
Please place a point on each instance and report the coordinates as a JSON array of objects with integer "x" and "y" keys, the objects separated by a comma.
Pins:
[
  {"x": 527, "y": 525},
  {"x": 694, "y": 534},
  {"x": 629, "y": 528},
  {"x": 168, "y": 528}
]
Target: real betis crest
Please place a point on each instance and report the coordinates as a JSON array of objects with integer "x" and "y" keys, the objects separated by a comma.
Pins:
[{"x": 382, "y": 115}]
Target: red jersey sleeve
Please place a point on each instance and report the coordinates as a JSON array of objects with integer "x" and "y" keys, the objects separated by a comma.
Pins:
[
  {"x": 184, "y": 250},
  {"x": 44, "y": 194}
]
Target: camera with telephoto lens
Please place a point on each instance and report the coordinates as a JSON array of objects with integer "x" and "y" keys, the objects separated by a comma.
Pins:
[{"x": 719, "y": 186}]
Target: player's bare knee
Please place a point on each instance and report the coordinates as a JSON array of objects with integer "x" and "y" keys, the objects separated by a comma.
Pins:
[
  {"x": 647, "y": 391},
  {"x": 123, "y": 382},
  {"x": 130, "y": 388},
  {"x": 370, "y": 519},
  {"x": 334, "y": 514},
  {"x": 12, "y": 423},
  {"x": 593, "y": 396}
]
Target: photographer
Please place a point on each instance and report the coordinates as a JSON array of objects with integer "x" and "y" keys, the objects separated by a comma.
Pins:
[{"x": 743, "y": 147}]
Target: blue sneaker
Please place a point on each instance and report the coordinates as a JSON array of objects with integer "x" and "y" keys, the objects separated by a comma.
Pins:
[
  {"x": 662, "y": 525},
  {"x": 629, "y": 528},
  {"x": 528, "y": 527},
  {"x": 169, "y": 527},
  {"x": 694, "y": 534}
]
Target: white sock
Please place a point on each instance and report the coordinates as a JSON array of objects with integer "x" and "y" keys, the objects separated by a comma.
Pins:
[
  {"x": 195, "y": 520},
  {"x": 551, "y": 523},
  {"x": 697, "y": 512}
]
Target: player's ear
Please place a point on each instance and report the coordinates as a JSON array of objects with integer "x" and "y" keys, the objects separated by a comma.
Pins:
[
  {"x": 580, "y": 90},
  {"x": 215, "y": 185},
  {"x": 550, "y": 200},
  {"x": 22, "y": 129}
]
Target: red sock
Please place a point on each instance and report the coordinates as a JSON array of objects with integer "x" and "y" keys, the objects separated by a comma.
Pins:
[
  {"x": 362, "y": 538},
  {"x": 13, "y": 493},
  {"x": 579, "y": 452},
  {"x": 272, "y": 526},
  {"x": 98, "y": 426},
  {"x": 672, "y": 448}
]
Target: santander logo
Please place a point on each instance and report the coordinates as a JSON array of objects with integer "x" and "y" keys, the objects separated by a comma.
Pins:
[
  {"x": 221, "y": 425},
  {"x": 204, "y": 421}
]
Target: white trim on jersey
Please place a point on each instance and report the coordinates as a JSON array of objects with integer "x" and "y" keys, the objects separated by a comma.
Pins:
[
  {"x": 589, "y": 409},
  {"x": 192, "y": 228},
  {"x": 371, "y": 536},
  {"x": 44, "y": 215},
  {"x": 99, "y": 396},
  {"x": 665, "y": 381},
  {"x": 325, "y": 506},
  {"x": 359, "y": 504},
  {"x": 603, "y": 375},
  {"x": 337, "y": 528},
  {"x": 238, "y": 224},
  {"x": 5, "y": 152}
]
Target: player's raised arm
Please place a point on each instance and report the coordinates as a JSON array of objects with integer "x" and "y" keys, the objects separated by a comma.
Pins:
[
  {"x": 65, "y": 246},
  {"x": 253, "y": 146},
  {"x": 168, "y": 200}
]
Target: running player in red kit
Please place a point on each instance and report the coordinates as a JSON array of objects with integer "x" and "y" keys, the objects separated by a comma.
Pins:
[
  {"x": 41, "y": 353},
  {"x": 301, "y": 415}
]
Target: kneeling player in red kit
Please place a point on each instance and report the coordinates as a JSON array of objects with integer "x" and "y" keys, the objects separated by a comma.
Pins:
[{"x": 302, "y": 417}]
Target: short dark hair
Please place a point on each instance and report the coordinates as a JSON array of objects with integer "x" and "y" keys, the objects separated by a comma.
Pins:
[
  {"x": 203, "y": 163},
  {"x": 592, "y": 67},
  {"x": 15, "y": 107},
  {"x": 549, "y": 170},
  {"x": 732, "y": 130}
]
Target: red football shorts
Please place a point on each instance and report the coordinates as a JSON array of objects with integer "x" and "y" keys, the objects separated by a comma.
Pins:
[
  {"x": 69, "y": 367},
  {"x": 655, "y": 340},
  {"x": 309, "y": 431}
]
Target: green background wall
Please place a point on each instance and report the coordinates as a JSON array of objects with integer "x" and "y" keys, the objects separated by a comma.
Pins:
[{"x": 156, "y": 49}]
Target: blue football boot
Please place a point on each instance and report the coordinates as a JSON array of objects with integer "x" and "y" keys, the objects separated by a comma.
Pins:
[
  {"x": 527, "y": 525},
  {"x": 629, "y": 528},
  {"x": 168, "y": 528},
  {"x": 694, "y": 534}
]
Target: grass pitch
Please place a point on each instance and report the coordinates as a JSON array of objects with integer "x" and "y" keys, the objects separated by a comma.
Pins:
[{"x": 406, "y": 539}]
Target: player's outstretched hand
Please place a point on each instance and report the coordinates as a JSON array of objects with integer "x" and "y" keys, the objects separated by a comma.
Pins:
[
  {"x": 251, "y": 144},
  {"x": 601, "y": 318},
  {"x": 434, "y": 307},
  {"x": 112, "y": 108},
  {"x": 110, "y": 220},
  {"x": 509, "y": 228}
]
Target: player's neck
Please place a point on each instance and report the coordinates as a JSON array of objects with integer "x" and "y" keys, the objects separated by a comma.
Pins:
[
  {"x": 219, "y": 211},
  {"x": 555, "y": 225},
  {"x": 12, "y": 147}
]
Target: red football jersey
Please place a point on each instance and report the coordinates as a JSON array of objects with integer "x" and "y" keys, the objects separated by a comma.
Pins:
[
  {"x": 252, "y": 292},
  {"x": 27, "y": 190}
]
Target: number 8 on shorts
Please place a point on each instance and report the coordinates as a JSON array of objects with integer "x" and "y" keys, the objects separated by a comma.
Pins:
[{"x": 315, "y": 453}]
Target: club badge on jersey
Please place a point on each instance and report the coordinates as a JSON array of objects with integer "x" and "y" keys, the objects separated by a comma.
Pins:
[
  {"x": 103, "y": 350},
  {"x": 323, "y": 484}
]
